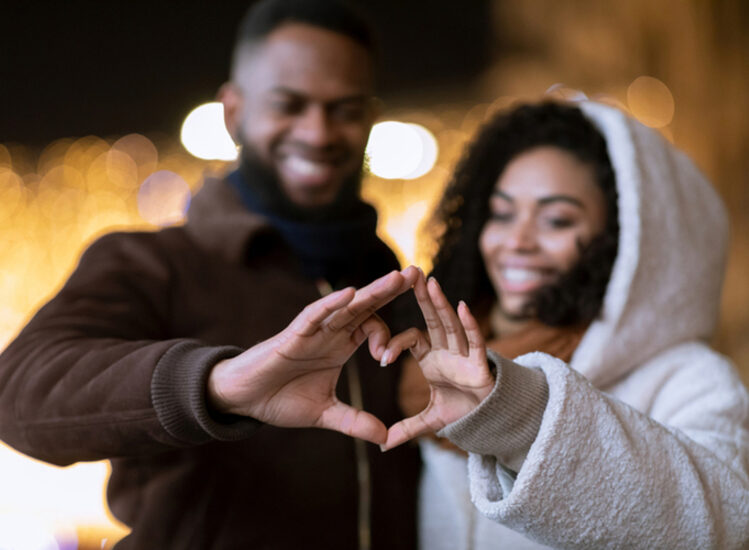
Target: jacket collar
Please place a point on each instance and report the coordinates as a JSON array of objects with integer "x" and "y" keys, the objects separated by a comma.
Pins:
[{"x": 219, "y": 222}]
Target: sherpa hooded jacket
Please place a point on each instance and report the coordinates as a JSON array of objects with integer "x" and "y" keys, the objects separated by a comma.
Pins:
[{"x": 643, "y": 438}]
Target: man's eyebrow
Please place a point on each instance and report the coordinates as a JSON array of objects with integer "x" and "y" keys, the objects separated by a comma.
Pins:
[
  {"x": 354, "y": 98},
  {"x": 543, "y": 201}
]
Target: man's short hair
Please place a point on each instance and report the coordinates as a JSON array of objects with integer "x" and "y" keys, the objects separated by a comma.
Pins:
[{"x": 333, "y": 15}]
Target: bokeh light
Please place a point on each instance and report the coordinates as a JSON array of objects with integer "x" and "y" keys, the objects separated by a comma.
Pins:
[
  {"x": 163, "y": 198},
  {"x": 398, "y": 150},
  {"x": 5, "y": 161},
  {"x": 204, "y": 134},
  {"x": 18, "y": 532},
  {"x": 651, "y": 102}
]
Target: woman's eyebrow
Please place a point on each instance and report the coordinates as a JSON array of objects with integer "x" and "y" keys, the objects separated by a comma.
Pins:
[
  {"x": 502, "y": 195},
  {"x": 543, "y": 201}
]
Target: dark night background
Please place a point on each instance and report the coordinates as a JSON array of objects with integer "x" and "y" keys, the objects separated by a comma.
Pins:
[{"x": 110, "y": 68}]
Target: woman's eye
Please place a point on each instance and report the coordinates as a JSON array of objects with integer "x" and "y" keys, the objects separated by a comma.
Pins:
[
  {"x": 500, "y": 217},
  {"x": 560, "y": 223}
]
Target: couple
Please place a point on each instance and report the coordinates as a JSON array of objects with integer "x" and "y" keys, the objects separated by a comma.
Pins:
[{"x": 588, "y": 255}]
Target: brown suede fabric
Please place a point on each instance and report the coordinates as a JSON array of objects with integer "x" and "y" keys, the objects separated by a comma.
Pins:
[{"x": 114, "y": 367}]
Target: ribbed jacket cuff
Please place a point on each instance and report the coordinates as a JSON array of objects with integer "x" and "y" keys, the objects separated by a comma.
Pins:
[
  {"x": 506, "y": 423},
  {"x": 178, "y": 393}
]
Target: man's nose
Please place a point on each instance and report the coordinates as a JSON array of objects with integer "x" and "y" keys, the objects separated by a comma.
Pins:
[{"x": 314, "y": 127}]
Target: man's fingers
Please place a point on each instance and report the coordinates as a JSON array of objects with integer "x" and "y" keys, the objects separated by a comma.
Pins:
[
  {"x": 311, "y": 317},
  {"x": 368, "y": 300},
  {"x": 405, "y": 430},
  {"x": 410, "y": 275},
  {"x": 350, "y": 421},
  {"x": 454, "y": 331},
  {"x": 432, "y": 319}
]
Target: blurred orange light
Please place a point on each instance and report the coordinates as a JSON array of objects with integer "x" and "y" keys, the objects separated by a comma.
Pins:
[
  {"x": 651, "y": 102},
  {"x": 163, "y": 198}
]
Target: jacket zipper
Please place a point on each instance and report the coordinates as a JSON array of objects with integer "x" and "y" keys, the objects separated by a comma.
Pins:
[{"x": 363, "y": 477}]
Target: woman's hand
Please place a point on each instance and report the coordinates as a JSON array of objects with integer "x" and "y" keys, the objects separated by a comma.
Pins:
[{"x": 452, "y": 357}]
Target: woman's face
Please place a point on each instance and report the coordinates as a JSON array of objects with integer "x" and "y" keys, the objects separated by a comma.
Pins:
[{"x": 544, "y": 207}]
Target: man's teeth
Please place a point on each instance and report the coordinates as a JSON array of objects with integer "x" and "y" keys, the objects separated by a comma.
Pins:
[
  {"x": 307, "y": 167},
  {"x": 519, "y": 275}
]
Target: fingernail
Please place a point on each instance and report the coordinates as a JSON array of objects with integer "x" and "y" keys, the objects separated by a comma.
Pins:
[
  {"x": 385, "y": 359},
  {"x": 383, "y": 448}
]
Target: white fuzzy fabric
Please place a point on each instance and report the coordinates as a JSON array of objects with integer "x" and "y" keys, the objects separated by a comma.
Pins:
[{"x": 644, "y": 441}]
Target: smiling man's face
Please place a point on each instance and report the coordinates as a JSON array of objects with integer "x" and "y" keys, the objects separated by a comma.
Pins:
[{"x": 301, "y": 102}]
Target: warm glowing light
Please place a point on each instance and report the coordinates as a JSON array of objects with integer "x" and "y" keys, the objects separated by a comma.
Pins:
[
  {"x": 397, "y": 150},
  {"x": 565, "y": 93},
  {"x": 163, "y": 198},
  {"x": 141, "y": 150},
  {"x": 651, "y": 102},
  {"x": 402, "y": 228},
  {"x": 5, "y": 160},
  {"x": 12, "y": 193},
  {"x": 19, "y": 532},
  {"x": 111, "y": 170},
  {"x": 204, "y": 134}
]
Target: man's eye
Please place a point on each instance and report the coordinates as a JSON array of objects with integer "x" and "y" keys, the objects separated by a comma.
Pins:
[
  {"x": 348, "y": 113},
  {"x": 286, "y": 107}
]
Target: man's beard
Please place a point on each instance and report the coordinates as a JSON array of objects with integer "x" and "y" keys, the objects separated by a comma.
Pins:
[{"x": 265, "y": 183}]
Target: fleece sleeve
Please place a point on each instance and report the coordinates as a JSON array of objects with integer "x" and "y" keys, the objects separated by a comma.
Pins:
[
  {"x": 506, "y": 422},
  {"x": 601, "y": 474},
  {"x": 95, "y": 374}
]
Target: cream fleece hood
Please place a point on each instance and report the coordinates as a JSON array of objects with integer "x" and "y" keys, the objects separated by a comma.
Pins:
[{"x": 673, "y": 236}]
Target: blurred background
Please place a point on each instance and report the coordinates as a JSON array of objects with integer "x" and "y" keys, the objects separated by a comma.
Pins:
[{"x": 106, "y": 123}]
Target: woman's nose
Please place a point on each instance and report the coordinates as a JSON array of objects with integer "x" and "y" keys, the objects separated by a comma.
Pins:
[{"x": 522, "y": 236}]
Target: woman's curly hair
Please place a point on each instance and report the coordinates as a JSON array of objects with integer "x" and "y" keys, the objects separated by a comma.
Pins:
[{"x": 464, "y": 209}]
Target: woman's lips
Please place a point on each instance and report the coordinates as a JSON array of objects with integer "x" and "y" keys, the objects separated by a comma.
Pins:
[{"x": 520, "y": 279}]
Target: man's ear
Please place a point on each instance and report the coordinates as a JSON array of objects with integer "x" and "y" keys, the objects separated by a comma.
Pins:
[{"x": 230, "y": 96}]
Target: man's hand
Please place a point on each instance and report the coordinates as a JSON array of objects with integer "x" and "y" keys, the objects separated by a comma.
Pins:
[
  {"x": 289, "y": 380},
  {"x": 452, "y": 357}
]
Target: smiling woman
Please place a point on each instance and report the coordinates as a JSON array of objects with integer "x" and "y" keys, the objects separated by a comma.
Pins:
[
  {"x": 545, "y": 209},
  {"x": 531, "y": 219},
  {"x": 585, "y": 257}
]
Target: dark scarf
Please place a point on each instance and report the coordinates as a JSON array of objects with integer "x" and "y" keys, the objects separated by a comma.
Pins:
[{"x": 330, "y": 242}]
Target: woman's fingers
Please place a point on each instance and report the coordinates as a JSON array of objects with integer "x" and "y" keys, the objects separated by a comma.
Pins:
[
  {"x": 412, "y": 339},
  {"x": 376, "y": 332},
  {"x": 453, "y": 329},
  {"x": 436, "y": 331},
  {"x": 350, "y": 421},
  {"x": 476, "y": 342},
  {"x": 407, "y": 429}
]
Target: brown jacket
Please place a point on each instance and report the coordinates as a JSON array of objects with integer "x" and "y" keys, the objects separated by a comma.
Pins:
[{"x": 115, "y": 367}]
